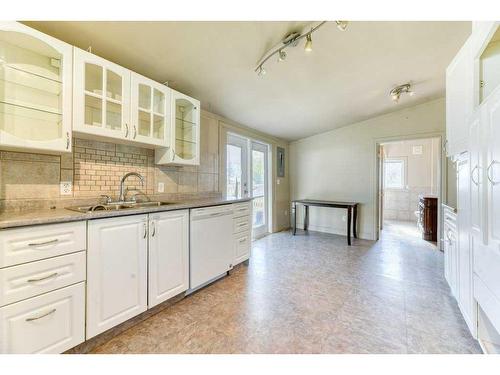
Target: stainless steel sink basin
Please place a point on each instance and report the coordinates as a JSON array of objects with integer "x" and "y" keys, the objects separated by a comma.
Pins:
[{"x": 117, "y": 206}]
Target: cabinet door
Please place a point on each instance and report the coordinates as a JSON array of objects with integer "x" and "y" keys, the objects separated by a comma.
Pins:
[
  {"x": 101, "y": 96},
  {"x": 464, "y": 257},
  {"x": 168, "y": 255},
  {"x": 185, "y": 129},
  {"x": 492, "y": 121},
  {"x": 35, "y": 90},
  {"x": 116, "y": 271},
  {"x": 477, "y": 180},
  {"x": 459, "y": 78},
  {"x": 150, "y": 111}
]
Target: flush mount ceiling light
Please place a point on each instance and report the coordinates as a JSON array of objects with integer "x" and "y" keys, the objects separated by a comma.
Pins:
[
  {"x": 397, "y": 91},
  {"x": 292, "y": 40}
]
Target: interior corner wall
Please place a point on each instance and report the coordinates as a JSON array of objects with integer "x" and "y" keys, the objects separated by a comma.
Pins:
[{"x": 341, "y": 164}]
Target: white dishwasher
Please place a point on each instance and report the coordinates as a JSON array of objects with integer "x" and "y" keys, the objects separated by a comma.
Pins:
[{"x": 211, "y": 250}]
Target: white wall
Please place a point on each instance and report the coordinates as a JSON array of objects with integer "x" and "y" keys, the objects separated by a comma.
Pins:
[
  {"x": 340, "y": 164},
  {"x": 421, "y": 177}
]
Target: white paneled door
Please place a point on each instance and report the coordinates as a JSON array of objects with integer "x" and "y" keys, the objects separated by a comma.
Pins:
[{"x": 116, "y": 271}]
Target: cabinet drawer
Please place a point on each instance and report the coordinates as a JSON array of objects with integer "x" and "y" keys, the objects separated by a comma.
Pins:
[
  {"x": 242, "y": 248},
  {"x": 22, "y": 245},
  {"x": 50, "y": 323},
  {"x": 31, "y": 279},
  {"x": 241, "y": 209},
  {"x": 241, "y": 224}
]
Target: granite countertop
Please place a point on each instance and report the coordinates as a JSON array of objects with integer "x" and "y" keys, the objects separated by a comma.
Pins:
[{"x": 62, "y": 215}]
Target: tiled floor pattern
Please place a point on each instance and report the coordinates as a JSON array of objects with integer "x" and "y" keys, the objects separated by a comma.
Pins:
[{"x": 313, "y": 294}]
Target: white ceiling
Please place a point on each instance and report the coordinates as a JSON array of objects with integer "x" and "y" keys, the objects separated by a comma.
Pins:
[{"x": 345, "y": 79}]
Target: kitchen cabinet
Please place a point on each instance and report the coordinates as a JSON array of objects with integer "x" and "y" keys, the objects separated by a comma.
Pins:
[
  {"x": 459, "y": 98},
  {"x": 463, "y": 251},
  {"x": 35, "y": 90},
  {"x": 168, "y": 255},
  {"x": 101, "y": 97},
  {"x": 450, "y": 250},
  {"x": 150, "y": 111},
  {"x": 477, "y": 180},
  {"x": 50, "y": 323},
  {"x": 116, "y": 271},
  {"x": 184, "y": 148}
]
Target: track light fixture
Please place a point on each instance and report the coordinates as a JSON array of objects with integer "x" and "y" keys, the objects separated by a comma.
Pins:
[
  {"x": 292, "y": 40},
  {"x": 397, "y": 91}
]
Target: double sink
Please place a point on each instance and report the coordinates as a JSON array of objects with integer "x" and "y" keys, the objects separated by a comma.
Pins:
[{"x": 117, "y": 206}]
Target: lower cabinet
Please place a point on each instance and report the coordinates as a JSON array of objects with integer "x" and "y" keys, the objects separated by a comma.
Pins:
[
  {"x": 50, "y": 323},
  {"x": 242, "y": 231},
  {"x": 116, "y": 271},
  {"x": 451, "y": 255},
  {"x": 168, "y": 255}
]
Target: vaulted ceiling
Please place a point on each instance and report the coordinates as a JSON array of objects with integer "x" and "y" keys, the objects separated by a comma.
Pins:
[{"x": 345, "y": 79}]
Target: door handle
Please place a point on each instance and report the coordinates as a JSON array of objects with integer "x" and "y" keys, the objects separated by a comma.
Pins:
[
  {"x": 43, "y": 278},
  {"x": 41, "y": 316},
  {"x": 476, "y": 168},
  {"x": 126, "y": 130},
  {"x": 135, "y": 131},
  {"x": 493, "y": 162},
  {"x": 153, "y": 226},
  {"x": 145, "y": 227}
]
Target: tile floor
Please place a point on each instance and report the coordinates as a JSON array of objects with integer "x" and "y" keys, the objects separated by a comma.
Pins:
[{"x": 313, "y": 294}]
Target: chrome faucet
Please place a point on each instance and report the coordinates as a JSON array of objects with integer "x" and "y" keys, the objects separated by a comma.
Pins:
[{"x": 121, "y": 198}]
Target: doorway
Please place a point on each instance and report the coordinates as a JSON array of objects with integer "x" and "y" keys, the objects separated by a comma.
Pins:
[
  {"x": 247, "y": 175},
  {"x": 409, "y": 187}
]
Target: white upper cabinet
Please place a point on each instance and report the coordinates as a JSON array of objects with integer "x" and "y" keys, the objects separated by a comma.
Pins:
[
  {"x": 35, "y": 90},
  {"x": 184, "y": 148},
  {"x": 150, "y": 116},
  {"x": 101, "y": 99},
  {"x": 459, "y": 81},
  {"x": 477, "y": 176}
]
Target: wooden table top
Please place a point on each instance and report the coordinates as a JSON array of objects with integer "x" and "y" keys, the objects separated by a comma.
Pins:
[{"x": 323, "y": 203}]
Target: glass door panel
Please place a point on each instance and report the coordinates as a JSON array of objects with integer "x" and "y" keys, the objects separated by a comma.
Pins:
[
  {"x": 93, "y": 78},
  {"x": 236, "y": 167},
  {"x": 113, "y": 85},
  {"x": 93, "y": 111},
  {"x": 259, "y": 187},
  {"x": 158, "y": 126},
  {"x": 30, "y": 88},
  {"x": 113, "y": 115},
  {"x": 144, "y": 97},
  {"x": 185, "y": 129},
  {"x": 159, "y": 102},
  {"x": 144, "y": 123}
]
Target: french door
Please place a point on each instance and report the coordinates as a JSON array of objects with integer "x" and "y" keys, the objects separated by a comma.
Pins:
[{"x": 247, "y": 176}]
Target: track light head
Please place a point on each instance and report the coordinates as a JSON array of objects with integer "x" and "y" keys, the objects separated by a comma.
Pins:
[
  {"x": 397, "y": 91},
  {"x": 261, "y": 71},
  {"x": 308, "y": 47},
  {"x": 281, "y": 55},
  {"x": 342, "y": 25}
]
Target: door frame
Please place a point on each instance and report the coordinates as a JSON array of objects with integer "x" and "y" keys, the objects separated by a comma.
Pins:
[{"x": 441, "y": 173}]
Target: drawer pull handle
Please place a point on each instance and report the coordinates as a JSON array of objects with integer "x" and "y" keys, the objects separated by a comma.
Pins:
[
  {"x": 242, "y": 240},
  {"x": 41, "y": 316},
  {"x": 242, "y": 224},
  {"x": 43, "y": 243},
  {"x": 43, "y": 278}
]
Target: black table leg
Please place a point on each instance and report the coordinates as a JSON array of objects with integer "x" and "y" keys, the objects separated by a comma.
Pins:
[
  {"x": 306, "y": 217},
  {"x": 354, "y": 220},
  {"x": 349, "y": 225},
  {"x": 294, "y": 213}
]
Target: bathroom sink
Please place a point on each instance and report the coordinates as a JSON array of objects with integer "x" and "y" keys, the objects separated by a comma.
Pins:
[{"x": 117, "y": 206}]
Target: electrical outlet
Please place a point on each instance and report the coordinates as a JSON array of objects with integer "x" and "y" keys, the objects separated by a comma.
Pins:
[
  {"x": 344, "y": 218},
  {"x": 161, "y": 187},
  {"x": 66, "y": 188},
  {"x": 278, "y": 181}
]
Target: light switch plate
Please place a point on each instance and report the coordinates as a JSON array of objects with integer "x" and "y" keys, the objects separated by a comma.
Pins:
[
  {"x": 66, "y": 187},
  {"x": 161, "y": 187}
]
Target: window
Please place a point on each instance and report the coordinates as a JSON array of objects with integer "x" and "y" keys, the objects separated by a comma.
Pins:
[{"x": 394, "y": 174}]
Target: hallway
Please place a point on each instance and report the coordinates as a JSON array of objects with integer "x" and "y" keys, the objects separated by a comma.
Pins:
[{"x": 311, "y": 293}]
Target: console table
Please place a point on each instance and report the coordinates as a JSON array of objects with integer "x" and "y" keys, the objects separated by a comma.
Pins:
[{"x": 351, "y": 207}]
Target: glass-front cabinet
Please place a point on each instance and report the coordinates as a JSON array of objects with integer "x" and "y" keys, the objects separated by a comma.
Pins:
[
  {"x": 489, "y": 64},
  {"x": 150, "y": 117},
  {"x": 101, "y": 99},
  {"x": 184, "y": 147},
  {"x": 35, "y": 90}
]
